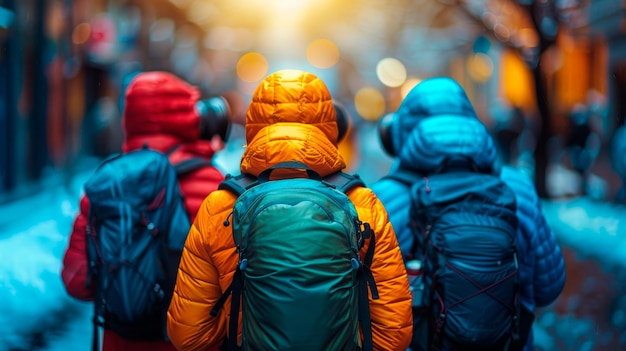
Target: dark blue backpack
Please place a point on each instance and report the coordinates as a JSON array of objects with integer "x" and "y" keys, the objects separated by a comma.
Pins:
[
  {"x": 465, "y": 227},
  {"x": 137, "y": 229}
]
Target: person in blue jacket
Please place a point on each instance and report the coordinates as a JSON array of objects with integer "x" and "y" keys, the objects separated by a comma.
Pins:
[{"x": 436, "y": 120}]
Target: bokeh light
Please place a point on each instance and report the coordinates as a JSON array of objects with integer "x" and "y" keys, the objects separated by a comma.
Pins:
[
  {"x": 515, "y": 80},
  {"x": 162, "y": 30},
  {"x": 201, "y": 12},
  {"x": 527, "y": 37},
  {"x": 55, "y": 20},
  {"x": 252, "y": 67},
  {"x": 322, "y": 53},
  {"x": 391, "y": 72},
  {"x": 180, "y": 3},
  {"x": 502, "y": 32},
  {"x": 369, "y": 103},
  {"x": 81, "y": 33},
  {"x": 480, "y": 67}
]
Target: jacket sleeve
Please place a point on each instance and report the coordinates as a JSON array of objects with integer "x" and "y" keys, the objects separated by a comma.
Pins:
[
  {"x": 548, "y": 274},
  {"x": 74, "y": 271},
  {"x": 190, "y": 325},
  {"x": 549, "y": 277},
  {"x": 391, "y": 313},
  {"x": 396, "y": 198}
]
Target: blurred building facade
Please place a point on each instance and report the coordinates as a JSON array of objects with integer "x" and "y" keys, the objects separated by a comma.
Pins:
[{"x": 64, "y": 63}]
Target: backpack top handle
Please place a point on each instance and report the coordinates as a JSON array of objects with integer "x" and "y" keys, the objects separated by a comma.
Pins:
[{"x": 265, "y": 175}]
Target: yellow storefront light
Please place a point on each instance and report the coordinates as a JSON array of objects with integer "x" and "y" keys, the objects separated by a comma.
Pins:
[
  {"x": 369, "y": 103},
  {"x": 516, "y": 81},
  {"x": 180, "y": 3},
  {"x": 252, "y": 67},
  {"x": 81, "y": 33},
  {"x": 322, "y": 53},
  {"x": 391, "y": 72},
  {"x": 572, "y": 79},
  {"x": 479, "y": 67}
]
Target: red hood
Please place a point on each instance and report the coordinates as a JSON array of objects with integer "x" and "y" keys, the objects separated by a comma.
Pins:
[{"x": 159, "y": 111}]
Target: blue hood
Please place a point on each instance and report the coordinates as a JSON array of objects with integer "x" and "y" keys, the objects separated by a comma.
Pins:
[{"x": 422, "y": 142}]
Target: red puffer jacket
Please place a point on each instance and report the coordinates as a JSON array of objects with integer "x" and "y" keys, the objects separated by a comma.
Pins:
[{"x": 159, "y": 112}]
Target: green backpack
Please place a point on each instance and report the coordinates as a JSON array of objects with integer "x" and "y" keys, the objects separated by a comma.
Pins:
[{"x": 300, "y": 281}]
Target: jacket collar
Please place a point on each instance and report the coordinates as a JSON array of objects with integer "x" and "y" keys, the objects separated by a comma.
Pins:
[{"x": 283, "y": 142}]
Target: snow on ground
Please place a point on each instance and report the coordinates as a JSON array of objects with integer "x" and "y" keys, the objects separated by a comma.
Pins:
[
  {"x": 33, "y": 303},
  {"x": 595, "y": 229}
]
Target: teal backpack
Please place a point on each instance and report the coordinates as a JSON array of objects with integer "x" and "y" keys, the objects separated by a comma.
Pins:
[{"x": 300, "y": 281}]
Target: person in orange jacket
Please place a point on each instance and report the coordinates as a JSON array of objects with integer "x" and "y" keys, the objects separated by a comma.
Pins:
[
  {"x": 290, "y": 118},
  {"x": 160, "y": 113}
]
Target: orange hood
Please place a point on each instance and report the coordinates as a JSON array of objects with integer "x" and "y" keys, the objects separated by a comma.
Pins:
[{"x": 291, "y": 118}]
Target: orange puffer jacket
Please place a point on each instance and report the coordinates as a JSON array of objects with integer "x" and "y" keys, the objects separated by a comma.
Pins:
[{"x": 290, "y": 118}]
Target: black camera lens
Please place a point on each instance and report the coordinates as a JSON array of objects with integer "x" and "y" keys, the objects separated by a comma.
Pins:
[
  {"x": 384, "y": 132},
  {"x": 214, "y": 117},
  {"x": 343, "y": 121}
]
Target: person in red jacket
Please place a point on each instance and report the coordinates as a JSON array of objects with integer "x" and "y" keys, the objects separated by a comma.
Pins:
[{"x": 163, "y": 113}]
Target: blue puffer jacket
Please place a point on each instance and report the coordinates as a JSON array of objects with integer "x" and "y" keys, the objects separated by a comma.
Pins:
[{"x": 436, "y": 120}]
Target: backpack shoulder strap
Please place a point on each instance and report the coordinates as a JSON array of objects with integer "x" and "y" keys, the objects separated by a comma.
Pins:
[
  {"x": 242, "y": 182},
  {"x": 344, "y": 181},
  {"x": 238, "y": 184},
  {"x": 190, "y": 165}
]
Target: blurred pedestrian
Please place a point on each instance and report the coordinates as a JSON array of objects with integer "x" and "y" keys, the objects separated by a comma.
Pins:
[
  {"x": 582, "y": 143},
  {"x": 165, "y": 114},
  {"x": 441, "y": 187},
  {"x": 105, "y": 130},
  {"x": 507, "y": 135},
  {"x": 291, "y": 124},
  {"x": 618, "y": 157}
]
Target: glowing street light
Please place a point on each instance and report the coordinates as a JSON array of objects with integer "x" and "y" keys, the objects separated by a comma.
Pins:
[
  {"x": 322, "y": 53},
  {"x": 252, "y": 67},
  {"x": 391, "y": 72},
  {"x": 369, "y": 103}
]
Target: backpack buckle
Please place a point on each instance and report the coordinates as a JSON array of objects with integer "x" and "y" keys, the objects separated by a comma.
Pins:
[
  {"x": 243, "y": 264},
  {"x": 159, "y": 292},
  {"x": 329, "y": 184},
  {"x": 440, "y": 321},
  {"x": 355, "y": 264}
]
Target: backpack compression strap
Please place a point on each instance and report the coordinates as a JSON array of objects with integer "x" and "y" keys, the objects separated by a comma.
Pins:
[
  {"x": 366, "y": 279},
  {"x": 237, "y": 288}
]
